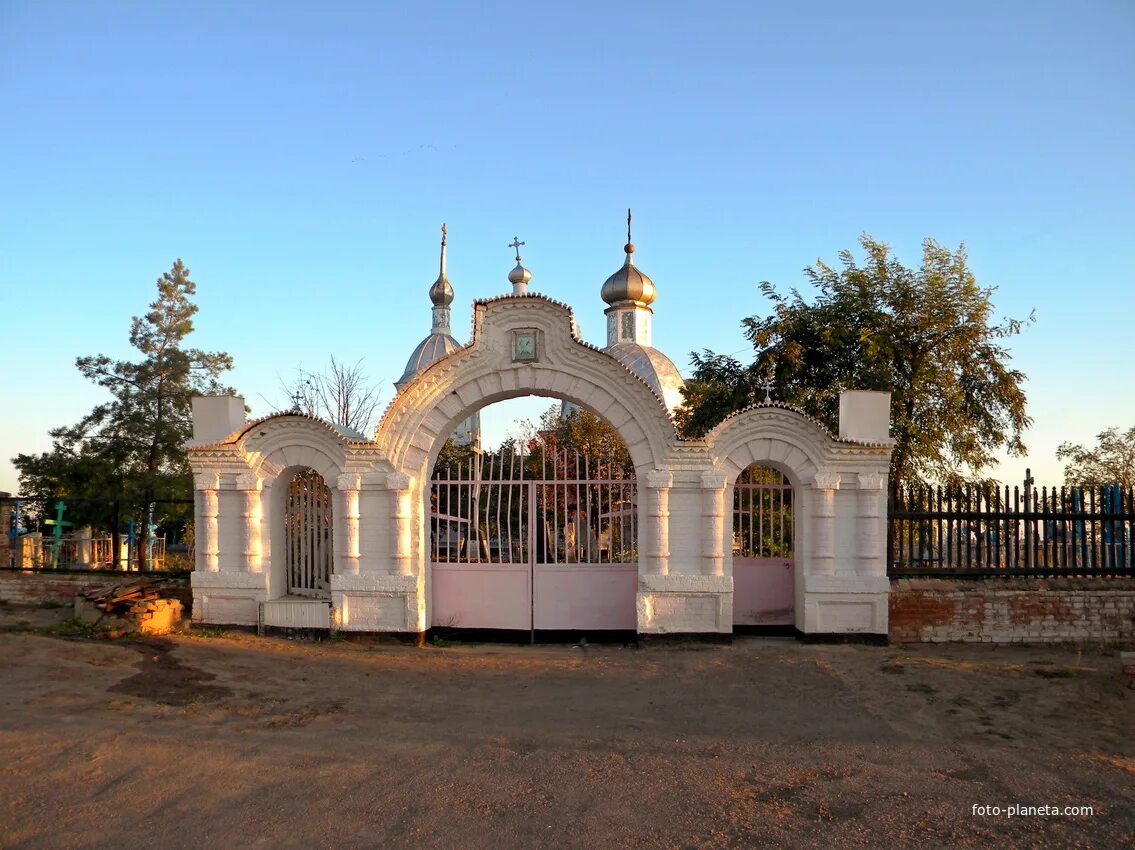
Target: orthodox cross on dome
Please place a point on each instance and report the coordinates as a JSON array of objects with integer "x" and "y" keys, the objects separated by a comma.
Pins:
[
  {"x": 628, "y": 224},
  {"x": 443, "y": 249},
  {"x": 517, "y": 244}
]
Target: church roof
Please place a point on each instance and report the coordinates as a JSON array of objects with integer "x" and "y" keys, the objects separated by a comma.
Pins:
[
  {"x": 430, "y": 350},
  {"x": 654, "y": 368}
]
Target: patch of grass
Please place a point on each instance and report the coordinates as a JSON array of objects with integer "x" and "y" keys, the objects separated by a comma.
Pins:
[
  {"x": 52, "y": 603},
  {"x": 439, "y": 642},
  {"x": 1053, "y": 672},
  {"x": 207, "y": 631},
  {"x": 70, "y": 628}
]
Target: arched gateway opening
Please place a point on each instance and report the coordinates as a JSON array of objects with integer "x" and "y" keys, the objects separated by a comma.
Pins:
[
  {"x": 308, "y": 536},
  {"x": 764, "y": 534},
  {"x": 539, "y": 535}
]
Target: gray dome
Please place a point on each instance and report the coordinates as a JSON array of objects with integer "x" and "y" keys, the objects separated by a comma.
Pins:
[
  {"x": 629, "y": 284},
  {"x": 430, "y": 350},
  {"x": 519, "y": 276},
  {"x": 441, "y": 293},
  {"x": 654, "y": 368}
]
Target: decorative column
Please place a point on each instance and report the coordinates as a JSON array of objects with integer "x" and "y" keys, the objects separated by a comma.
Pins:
[
  {"x": 249, "y": 485},
  {"x": 823, "y": 523},
  {"x": 398, "y": 483},
  {"x": 657, "y": 549},
  {"x": 266, "y": 520},
  {"x": 869, "y": 543},
  {"x": 713, "y": 522},
  {"x": 349, "y": 486},
  {"x": 205, "y": 522}
]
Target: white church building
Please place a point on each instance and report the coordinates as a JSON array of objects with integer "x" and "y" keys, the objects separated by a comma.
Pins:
[{"x": 768, "y": 522}]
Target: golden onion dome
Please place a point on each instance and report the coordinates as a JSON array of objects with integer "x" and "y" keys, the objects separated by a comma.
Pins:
[{"x": 629, "y": 283}]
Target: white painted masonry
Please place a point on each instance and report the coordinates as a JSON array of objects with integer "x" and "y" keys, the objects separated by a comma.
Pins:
[{"x": 381, "y": 574}]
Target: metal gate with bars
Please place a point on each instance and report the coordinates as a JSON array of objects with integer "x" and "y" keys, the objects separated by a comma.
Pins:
[
  {"x": 763, "y": 557},
  {"x": 307, "y": 535},
  {"x": 543, "y": 541}
]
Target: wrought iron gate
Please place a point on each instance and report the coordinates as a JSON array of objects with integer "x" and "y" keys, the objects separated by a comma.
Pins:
[
  {"x": 307, "y": 535},
  {"x": 546, "y": 541},
  {"x": 763, "y": 562}
]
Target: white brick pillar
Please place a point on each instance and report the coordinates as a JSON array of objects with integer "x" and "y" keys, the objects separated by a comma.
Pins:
[
  {"x": 249, "y": 485},
  {"x": 374, "y": 529},
  {"x": 207, "y": 506},
  {"x": 398, "y": 483},
  {"x": 348, "y": 532},
  {"x": 868, "y": 532},
  {"x": 823, "y": 523},
  {"x": 713, "y": 522},
  {"x": 266, "y": 519},
  {"x": 657, "y": 532}
]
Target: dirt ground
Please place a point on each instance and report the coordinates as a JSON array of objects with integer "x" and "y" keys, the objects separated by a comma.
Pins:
[{"x": 226, "y": 740}]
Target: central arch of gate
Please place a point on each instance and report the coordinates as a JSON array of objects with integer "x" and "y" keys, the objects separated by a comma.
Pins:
[{"x": 522, "y": 346}]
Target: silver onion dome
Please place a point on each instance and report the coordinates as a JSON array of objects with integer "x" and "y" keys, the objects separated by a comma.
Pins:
[
  {"x": 628, "y": 283},
  {"x": 519, "y": 276}
]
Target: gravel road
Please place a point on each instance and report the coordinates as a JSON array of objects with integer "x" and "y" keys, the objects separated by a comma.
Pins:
[{"x": 232, "y": 741}]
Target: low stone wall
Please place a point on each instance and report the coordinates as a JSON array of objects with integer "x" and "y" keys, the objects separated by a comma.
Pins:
[
  {"x": 34, "y": 587},
  {"x": 1013, "y": 610}
]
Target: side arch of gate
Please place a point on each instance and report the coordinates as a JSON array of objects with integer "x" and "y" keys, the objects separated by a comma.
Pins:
[
  {"x": 790, "y": 443},
  {"x": 424, "y": 414},
  {"x": 281, "y": 448}
]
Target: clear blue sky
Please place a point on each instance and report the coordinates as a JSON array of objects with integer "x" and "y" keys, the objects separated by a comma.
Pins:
[{"x": 300, "y": 158}]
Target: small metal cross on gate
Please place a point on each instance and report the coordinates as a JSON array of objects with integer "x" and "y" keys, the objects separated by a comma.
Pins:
[
  {"x": 517, "y": 244},
  {"x": 768, "y": 390}
]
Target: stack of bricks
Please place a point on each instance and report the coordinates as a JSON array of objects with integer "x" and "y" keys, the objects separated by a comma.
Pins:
[
  {"x": 1013, "y": 610},
  {"x": 156, "y": 617}
]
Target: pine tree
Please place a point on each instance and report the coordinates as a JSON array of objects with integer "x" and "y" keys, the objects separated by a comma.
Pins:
[{"x": 132, "y": 447}]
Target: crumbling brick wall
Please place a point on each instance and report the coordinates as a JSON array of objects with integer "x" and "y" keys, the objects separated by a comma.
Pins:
[{"x": 1013, "y": 610}]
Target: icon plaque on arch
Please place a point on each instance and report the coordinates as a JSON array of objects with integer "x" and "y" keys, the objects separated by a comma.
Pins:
[{"x": 524, "y": 345}]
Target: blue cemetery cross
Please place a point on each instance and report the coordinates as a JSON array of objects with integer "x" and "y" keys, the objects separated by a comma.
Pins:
[{"x": 57, "y": 533}]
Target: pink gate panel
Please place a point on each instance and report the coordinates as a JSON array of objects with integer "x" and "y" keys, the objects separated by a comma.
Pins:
[{"x": 763, "y": 592}]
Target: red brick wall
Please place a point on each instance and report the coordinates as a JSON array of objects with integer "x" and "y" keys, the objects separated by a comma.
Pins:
[
  {"x": 32, "y": 587},
  {"x": 1023, "y": 610}
]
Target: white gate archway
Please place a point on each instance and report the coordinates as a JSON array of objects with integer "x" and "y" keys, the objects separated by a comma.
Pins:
[{"x": 684, "y": 573}]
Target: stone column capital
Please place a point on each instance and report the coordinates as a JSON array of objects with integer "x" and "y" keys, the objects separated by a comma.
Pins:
[
  {"x": 397, "y": 481},
  {"x": 872, "y": 480},
  {"x": 659, "y": 479},
  {"x": 826, "y": 480},
  {"x": 206, "y": 481},
  {"x": 248, "y": 481},
  {"x": 711, "y": 479},
  {"x": 349, "y": 481}
]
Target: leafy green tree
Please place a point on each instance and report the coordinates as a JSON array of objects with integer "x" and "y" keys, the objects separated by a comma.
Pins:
[
  {"x": 1112, "y": 461},
  {"x": 927, "y": 335},
  {"x": 131, "y": 447}
]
